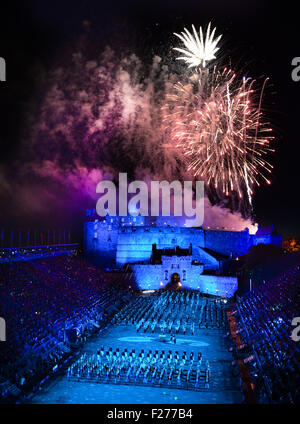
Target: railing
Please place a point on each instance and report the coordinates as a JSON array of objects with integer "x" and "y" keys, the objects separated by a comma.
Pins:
[
  {"x": 39, "y": 246},
  {"x": 29, "y": 252}
]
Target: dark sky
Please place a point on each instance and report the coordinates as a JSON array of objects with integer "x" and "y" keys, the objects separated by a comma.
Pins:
[{"x": 262, "y": 38}]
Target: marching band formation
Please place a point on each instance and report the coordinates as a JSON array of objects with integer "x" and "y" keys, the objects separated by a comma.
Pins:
[
  {"x": 167, "y": 313},
  {"x": 156, "y": 368},
  {"x": 178, "y": 312}
]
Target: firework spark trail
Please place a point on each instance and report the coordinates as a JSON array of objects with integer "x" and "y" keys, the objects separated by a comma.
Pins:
[
  {"x": 219, "y": 128},
  {"x": 95, "y": 119},
  {"x": 197, "y": 51},
  {"x": 216, "y": 122}
]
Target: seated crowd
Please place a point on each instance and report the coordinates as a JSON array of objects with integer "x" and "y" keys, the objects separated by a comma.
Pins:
[
  {"x": 45, "y": 299},
  {"x": 264, "y": 318},
  {"x": 40, "y": 301}
]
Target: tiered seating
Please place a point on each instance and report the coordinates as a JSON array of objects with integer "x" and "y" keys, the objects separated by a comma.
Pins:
[
  {"x": 39, "y": 301},
  {"x": 265, "y": 315},
  {"x": 177, "y": 312},
  {"x": 159, "y": 368}
]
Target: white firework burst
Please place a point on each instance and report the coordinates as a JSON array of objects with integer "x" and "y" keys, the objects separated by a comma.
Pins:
[{"x": 197, "y": 51}]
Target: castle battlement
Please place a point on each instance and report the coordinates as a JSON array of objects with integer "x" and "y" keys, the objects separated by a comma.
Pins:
[
  {"x": 122, "y": 240},
  {"x": 119, "y": 241}
]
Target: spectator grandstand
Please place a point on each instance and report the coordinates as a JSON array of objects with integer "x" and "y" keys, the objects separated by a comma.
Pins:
[
  {"x": 54, "y": 301},
  {"x": 263, "y": 318},
  {"x": 40, "y": 301}
]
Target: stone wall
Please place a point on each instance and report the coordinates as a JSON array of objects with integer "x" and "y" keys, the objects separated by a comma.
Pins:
[
  {"x": 130, "y": 244},
  {"x": 154, "y": 277}
]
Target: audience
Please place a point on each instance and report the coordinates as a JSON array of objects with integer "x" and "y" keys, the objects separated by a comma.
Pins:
[
  {"x": 40, "y": 301},
  {"x": 51, "y": 304},
  {"x": 264, "y": 320}
]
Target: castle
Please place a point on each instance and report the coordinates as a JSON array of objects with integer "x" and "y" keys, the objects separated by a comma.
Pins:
[{"x": 159, "y": 252}]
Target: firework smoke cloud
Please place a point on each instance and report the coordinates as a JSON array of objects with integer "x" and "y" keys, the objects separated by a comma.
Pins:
[{"x": 103, "y": 115}]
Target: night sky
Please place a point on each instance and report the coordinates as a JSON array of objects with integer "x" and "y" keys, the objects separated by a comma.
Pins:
[{"x": 258, "y": 36}]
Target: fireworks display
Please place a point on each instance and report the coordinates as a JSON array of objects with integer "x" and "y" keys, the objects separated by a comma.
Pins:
[
  {"x": 197, "y": 51},
  {"x": 102, "y": 114},
  {"x": 215, "y": 120}
]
